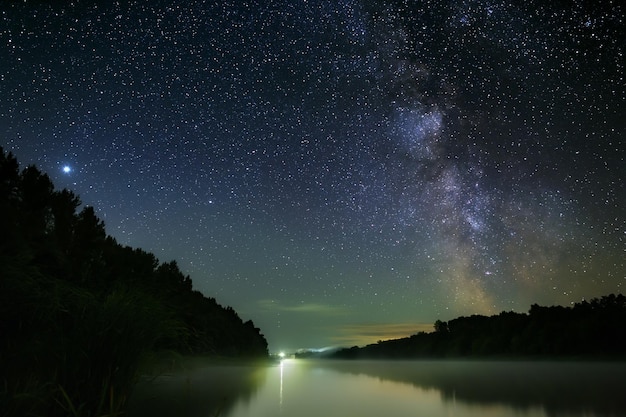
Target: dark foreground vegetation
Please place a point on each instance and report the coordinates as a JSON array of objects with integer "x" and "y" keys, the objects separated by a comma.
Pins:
[
  {"x": 79, "y": 312},
  {"x": 593, "y": 329}
]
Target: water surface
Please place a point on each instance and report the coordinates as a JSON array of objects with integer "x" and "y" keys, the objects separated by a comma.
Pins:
[{"x": 309, "y": 388}]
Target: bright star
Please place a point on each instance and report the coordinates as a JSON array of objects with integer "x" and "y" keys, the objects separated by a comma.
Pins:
[{"x": 67, "y": 169}]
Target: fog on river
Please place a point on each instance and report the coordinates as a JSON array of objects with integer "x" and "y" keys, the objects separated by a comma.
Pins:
[{"x": 314, "y": 388}]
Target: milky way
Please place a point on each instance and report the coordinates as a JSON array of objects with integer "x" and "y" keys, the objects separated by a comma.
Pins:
[{"x": 337, "y": 171}]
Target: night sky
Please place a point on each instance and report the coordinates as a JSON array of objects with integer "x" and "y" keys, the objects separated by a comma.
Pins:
[{"x": 337, "y": 171}]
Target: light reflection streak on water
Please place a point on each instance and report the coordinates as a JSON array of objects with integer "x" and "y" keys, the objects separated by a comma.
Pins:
[
  {"x": 280, "y": 400},
  {"x": 436, "y": 388}
]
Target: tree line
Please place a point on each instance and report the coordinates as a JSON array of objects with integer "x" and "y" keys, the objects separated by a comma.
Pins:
[
  {"x": 594, "y": 329},
  {"x": 79, "y": 311}
]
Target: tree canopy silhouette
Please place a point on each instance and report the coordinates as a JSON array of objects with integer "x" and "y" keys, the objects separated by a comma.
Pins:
[
  {"x": 78, "y": 310},
  {"x": 589, "y": 329}
]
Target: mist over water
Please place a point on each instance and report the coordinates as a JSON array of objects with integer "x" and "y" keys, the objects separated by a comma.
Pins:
[{"x": 306, "y": 388}]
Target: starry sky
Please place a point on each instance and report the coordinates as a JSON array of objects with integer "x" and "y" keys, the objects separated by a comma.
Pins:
[{"x": 339, "y": 172}]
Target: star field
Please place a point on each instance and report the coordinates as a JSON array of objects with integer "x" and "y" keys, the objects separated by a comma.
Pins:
[{"x": 329, "y": 169}]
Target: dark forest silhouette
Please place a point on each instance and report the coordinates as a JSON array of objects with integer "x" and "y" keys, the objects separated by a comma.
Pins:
[
  {"x": 594, "y": 329},
  {"x": 79, "y": 311}
]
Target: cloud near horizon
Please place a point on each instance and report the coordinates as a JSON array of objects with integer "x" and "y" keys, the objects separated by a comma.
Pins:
[
  {"x": 364, "y": 334},
  {"x": 315, "y": 308}
]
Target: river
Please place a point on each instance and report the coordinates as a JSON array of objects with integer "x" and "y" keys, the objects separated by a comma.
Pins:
[{"x": 329, "y": 388}]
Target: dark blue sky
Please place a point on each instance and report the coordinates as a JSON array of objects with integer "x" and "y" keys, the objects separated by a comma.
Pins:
[{"x": 338, "y": 172}]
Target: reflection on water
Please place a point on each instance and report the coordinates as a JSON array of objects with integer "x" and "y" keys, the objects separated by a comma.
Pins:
[
  {"x": 202, "y": 392},
  {"x": 393, "y": 388},
  {"x": 282, "y": 368},
  {"x": 526, "y": 388}
]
